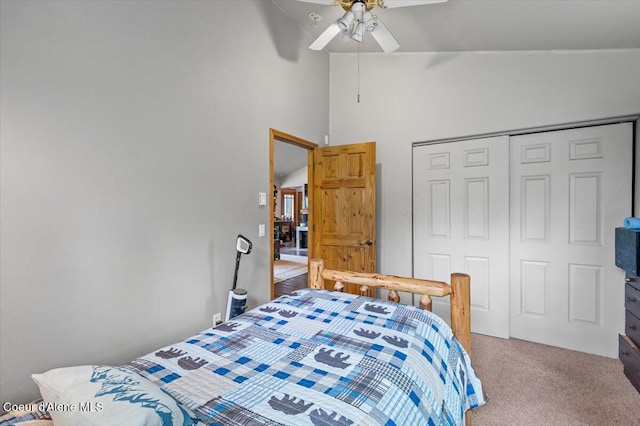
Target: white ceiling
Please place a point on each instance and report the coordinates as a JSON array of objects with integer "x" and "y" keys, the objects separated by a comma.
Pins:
[
  {"x": 287, "y": 158},
  {"x": 490, "y": 25}
]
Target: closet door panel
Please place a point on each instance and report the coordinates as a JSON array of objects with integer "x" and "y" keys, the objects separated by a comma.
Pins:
[
  {"x": 461, "y": 224},
  {"x": 569, "y": 190}
]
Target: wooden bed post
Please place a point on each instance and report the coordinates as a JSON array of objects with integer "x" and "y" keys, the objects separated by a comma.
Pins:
[
  {"x": 316, "y": 266},
  {"x": 425, "y": 302},
  {"x": 461, "y": 316},
  {"x": 460, "y": 306}
]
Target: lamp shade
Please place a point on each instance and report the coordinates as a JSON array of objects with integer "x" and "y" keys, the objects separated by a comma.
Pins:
[
  {"x": 358, "y": 32},
  {"x": 345, "y": 22},
  {"x": 370, "y": 22}
]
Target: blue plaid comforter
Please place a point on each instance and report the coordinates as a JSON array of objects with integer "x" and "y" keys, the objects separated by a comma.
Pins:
[{"x": 321, "y": 358}]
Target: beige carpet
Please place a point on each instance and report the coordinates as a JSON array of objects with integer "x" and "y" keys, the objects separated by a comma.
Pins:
[
  {"x": 531, "y": 384},
  {"x": 289, "y": 266}
]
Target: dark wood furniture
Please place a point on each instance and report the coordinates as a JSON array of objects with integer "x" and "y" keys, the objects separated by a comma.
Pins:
[
  {"x": 284, "y": 227},
  {"x": 628, "y": 258}
]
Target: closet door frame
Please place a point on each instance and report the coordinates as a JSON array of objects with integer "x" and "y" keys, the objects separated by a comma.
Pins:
[{"x": 635, "y": 136}]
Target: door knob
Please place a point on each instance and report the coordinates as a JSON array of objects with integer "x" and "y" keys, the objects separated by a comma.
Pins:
[{"x": 367, "y": 243}]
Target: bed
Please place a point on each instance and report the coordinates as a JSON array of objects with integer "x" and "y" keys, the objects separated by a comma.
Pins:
[{"x": 316, "y": 357}]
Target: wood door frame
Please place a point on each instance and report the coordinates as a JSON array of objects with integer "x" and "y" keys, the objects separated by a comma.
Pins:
[{"x": 276, "y": 135}]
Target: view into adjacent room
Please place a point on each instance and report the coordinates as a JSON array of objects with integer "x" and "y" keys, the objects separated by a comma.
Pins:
[{"x": 290, "y": 216}]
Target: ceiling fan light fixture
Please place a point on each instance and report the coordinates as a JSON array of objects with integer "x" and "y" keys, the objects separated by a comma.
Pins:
[
  {"x": 358, "y": 18},
  {"x": 358, "y": 32},
  {"x": 345, "y": 22},
  {"x": 370, "y": 22}
]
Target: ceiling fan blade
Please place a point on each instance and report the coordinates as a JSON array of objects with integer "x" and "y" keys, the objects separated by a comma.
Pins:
[
  {"x": 389, "y": 4},
  {"x": 384, "y": 38},
  {"x": 324, "y": 38}
]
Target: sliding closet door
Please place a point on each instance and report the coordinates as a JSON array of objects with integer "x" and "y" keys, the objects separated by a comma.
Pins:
[
  {"x": 461, "y": 224},
  {"x": 569, "y": 190}
]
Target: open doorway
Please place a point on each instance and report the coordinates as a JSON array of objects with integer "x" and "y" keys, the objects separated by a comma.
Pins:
[{"x": 292, "y": 218}]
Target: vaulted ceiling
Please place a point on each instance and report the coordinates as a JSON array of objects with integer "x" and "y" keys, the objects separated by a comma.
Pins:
[
  {"x": 479, "y": 25},
  {"x": 490, "y": 25}
]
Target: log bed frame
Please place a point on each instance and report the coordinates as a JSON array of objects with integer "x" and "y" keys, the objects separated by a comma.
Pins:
[{"x": 459, "y": 291}]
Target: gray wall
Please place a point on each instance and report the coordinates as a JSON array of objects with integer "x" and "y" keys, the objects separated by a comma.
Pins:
[
  {"x": 134, "y": 142},
  {"x": 416, "y": 97}
]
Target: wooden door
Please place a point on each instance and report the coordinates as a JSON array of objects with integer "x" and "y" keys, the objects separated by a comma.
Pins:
[
  {"x": 569, "y": 190},
  {"x": 344, "y": 206},
  {"x": 461, "y": 224}
]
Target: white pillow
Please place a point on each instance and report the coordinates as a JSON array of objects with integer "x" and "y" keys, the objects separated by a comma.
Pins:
[{"x": 103, "y": 395}]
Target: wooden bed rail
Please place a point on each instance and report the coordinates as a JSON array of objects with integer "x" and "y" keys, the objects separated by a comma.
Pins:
[{"x": 459, "y": 290}]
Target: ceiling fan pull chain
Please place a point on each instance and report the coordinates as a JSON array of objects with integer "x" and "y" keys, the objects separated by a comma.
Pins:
[{"x": 358, "y": 72}]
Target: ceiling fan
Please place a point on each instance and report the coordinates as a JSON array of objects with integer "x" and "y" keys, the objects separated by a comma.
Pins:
[{"x": 358, "y": 19}]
